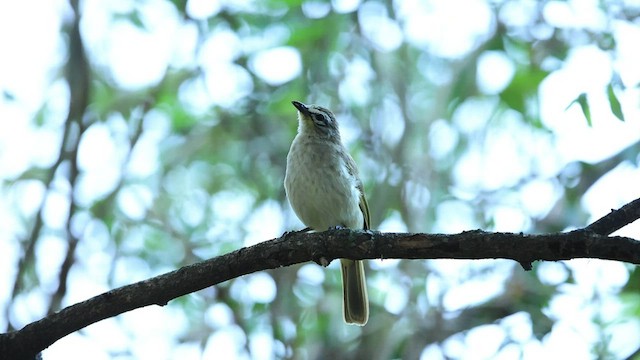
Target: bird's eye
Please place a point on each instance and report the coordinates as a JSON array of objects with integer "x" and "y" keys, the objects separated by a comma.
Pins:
[{"x": 319, "y": 120}]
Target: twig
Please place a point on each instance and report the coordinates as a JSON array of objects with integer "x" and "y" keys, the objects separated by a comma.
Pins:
[
  {"x": 78, "y": 76},
  {"x": 77, "y": 72},
  {"x": 616, "y": 219}
]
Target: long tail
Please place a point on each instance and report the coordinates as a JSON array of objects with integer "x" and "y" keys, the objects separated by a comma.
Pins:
[{"x": 354, "y": 285}]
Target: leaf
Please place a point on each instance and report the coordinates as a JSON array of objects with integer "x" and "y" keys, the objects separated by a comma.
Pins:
[
  {"x": 523, "y": 89},
  {"x": 584, "y": 105},
  {"x": 614, "y": 103}
]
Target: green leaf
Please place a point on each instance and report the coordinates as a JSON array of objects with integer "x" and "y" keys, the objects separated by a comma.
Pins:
[
  {"x": 523, "y": 87},
  {"x": 614, "y": 103},
  {"x": 584, "y": 105}
]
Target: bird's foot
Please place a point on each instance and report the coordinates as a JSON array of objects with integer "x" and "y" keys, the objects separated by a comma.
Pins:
[{"x": 294, "y": 232}]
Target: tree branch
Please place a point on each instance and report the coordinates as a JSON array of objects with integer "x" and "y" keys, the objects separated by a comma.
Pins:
[
  {"x": 78, "y": 76},
  {"x": 616, "y": 219},
  {"x": 294, "y": 248}
]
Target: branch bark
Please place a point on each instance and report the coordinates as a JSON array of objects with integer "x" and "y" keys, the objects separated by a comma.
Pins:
[{"x": 322, "y": 248}]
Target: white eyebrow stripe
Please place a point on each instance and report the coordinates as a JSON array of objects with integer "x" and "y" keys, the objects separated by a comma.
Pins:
[
  {"x": 322, "y": 111},
  {"x": 325, "y": 118},
  {"x": 326, "y": 113}
]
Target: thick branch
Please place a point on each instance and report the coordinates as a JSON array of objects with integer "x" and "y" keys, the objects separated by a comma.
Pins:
[
  {"x": 299, "y": 247},
  {"x": 321, "y": 248}
]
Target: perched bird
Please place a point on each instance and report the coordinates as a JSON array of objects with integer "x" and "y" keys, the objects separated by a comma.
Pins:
[{"x": 325, "y": 191}]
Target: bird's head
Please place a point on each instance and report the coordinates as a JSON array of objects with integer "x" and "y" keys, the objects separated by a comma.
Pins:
[{"x": 314, "y": 119}]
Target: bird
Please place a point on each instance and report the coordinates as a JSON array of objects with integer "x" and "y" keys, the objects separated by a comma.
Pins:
[{"x": 324, "y": 190}]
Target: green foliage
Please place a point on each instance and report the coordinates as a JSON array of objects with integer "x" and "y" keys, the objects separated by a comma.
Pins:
[
  {"x": 584, "y": 106},
  {"x": 198, "y": 176},
  {"x": 616, "y": 108}
]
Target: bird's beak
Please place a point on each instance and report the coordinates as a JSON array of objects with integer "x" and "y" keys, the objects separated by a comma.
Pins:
[{"x": 301, "y": 107}]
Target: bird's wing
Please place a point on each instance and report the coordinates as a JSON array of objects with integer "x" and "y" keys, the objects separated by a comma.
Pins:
[{"x": 364, "y": 206}]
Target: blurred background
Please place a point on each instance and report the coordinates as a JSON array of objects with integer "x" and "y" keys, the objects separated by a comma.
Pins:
[{"x": 138, "y": 136}]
